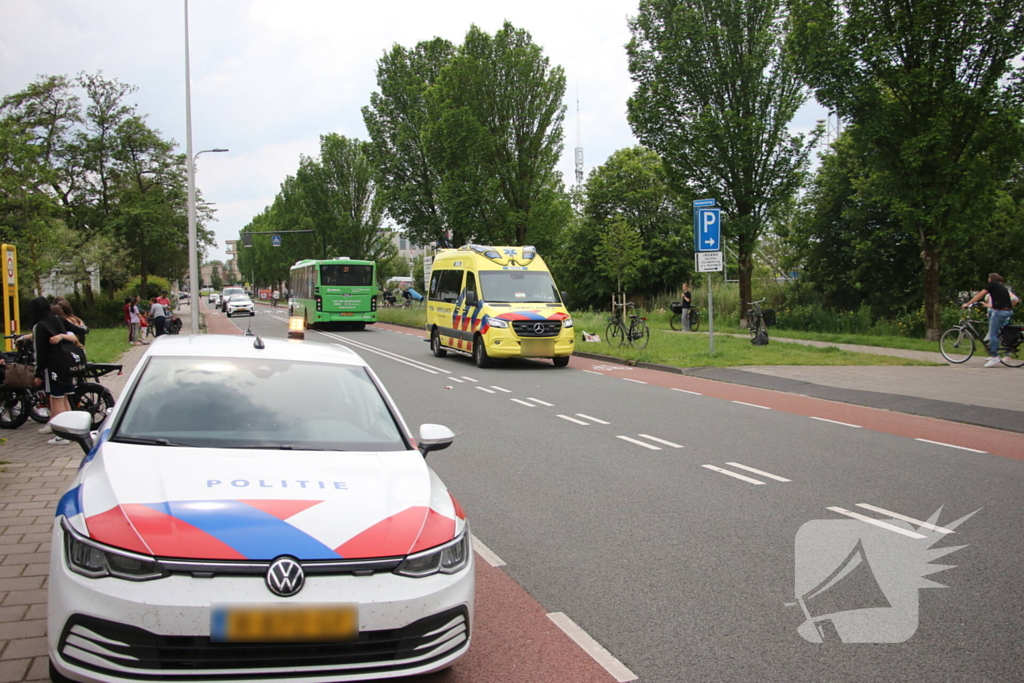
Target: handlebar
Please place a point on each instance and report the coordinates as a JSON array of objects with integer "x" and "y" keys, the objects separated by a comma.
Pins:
[
  {"x": 760, "y": 301},
  {"x": 626, "y": 305}
]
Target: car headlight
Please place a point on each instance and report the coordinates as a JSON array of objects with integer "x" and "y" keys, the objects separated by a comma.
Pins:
[
  {"x": 567, "y": 323},
  {"x": 446, "y": 559},
  {"x": 497, "y": 322},
  {"x": 88, "y": 558}
]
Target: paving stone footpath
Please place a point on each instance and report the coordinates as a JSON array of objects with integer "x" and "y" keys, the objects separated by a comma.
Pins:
[{"x": 32, "y": 477}]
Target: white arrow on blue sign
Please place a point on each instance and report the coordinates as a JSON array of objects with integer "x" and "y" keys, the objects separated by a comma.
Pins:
[
  {"x": 707, "y": 230},
  {"x": 275, "y": 240}
]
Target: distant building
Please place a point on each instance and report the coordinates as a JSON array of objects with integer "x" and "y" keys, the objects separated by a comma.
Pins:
[{"x": 57, "y": 284}]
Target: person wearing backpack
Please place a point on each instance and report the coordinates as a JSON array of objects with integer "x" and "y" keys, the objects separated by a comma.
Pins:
[{"x": 53, "y": 340}]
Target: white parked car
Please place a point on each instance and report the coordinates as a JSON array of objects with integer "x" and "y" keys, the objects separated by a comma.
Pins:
[
  {"x": 239, "y": 303},
  {"x": 256, "y": 510}
]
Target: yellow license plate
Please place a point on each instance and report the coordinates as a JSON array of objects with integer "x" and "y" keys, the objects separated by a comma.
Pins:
[
  {"x": 276, "y": 624},
  {"x": 348, "y": 313},
  {"x": 538, "y": 347}
]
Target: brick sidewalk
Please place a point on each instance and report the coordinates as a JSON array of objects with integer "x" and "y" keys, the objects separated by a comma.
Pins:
[{"x": 32, "y": 478}]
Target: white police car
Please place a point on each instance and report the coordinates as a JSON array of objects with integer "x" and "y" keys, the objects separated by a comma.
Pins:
[{"x": 254, "y": 511}]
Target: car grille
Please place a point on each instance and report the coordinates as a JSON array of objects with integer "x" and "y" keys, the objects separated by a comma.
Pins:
[
  {"x": 537, "y": 328},
  {"x": 105, "y": 646}
]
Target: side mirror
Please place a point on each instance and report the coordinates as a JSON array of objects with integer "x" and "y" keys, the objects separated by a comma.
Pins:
[
  {"x": 434, "y": 438},
  {"x": 565, "y": 298},
  {"x": 470, "y": 299},
  {"x": 74, "y": 425}
]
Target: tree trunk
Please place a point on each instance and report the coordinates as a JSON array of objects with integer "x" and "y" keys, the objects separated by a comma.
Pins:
[
  {"x": 932, "y": 305},
  {"x": 746, "y": 265},
  {"x": 90, "y": 298}
]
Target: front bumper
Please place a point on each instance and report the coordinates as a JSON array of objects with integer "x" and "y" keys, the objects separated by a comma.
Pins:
[
  {"x": 504, "y": 343},
  {"x": 112, "y": 630},
  {"x": 241, "y": 309}
]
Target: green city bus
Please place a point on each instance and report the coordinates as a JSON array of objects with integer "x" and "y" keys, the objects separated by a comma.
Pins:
[{"x": 336, "y": 291}]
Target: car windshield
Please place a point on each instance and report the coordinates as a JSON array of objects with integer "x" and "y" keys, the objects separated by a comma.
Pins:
[
  {"x": 234, "y": 290},
  {"x": 255, "y": 403},
  {"x": 238, "y": 297},
  {"x": 518, "y": 286},
  {"x": 341, "y": 275}
]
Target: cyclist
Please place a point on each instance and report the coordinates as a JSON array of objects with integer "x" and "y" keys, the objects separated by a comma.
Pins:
[
  {"x": 274, "y": 296},
  {"x": 998, "y": 315}
]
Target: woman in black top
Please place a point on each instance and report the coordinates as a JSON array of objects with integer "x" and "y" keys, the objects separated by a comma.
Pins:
[{"x": 46, "y": 333}]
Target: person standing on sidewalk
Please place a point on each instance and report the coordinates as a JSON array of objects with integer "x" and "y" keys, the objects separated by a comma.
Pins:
[
  {"x": 998, "y": 315},
  {"x": 687, "y": 298},
  {"x": 159, "y": 317},
  {"x": 274, "y": 296}
]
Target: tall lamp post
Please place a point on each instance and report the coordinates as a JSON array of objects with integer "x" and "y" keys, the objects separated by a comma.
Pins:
[{"x": 193, "y": 241}]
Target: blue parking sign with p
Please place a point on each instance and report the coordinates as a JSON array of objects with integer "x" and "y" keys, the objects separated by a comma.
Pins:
[
  {"x": 275, "y": 240},
  {"x": 707, "y": 230}
]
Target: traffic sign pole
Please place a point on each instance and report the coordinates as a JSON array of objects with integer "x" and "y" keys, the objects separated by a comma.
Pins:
[{"x": 707, "y": 237}]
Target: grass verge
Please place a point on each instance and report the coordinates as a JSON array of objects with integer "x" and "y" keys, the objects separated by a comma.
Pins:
[
  {"x": 106, "y": 345},
  {"x": 668, "y": 347},
  {"x": 908, "y": 343}
]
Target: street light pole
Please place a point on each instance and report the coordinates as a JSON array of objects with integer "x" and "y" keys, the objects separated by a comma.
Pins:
[{"x": 193, "y": 242}]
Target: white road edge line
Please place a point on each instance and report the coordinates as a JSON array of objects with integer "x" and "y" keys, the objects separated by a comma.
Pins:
[
  {"x": 455, "y": 379},
  {"x": 876, "y": 522},
  {"x": 633, "y": 380},
  {"x": 489, "y": 555},
  {"x": 685, "y": 391},
  {"x": 835, "y": 422},
  {"x": 594, "y": 373},
  {"x": 573, "y": 419},
  {"x": 485, "y": 389},
  {"x": 757, "y": 471},
  {"x": 749, "y": 480},
  {"x": 896, "y": 515},
  {"x": 543, "y": 403},
  {"x": 597, "y": 420},
  {"x": 949, "y": 445},
  {"x": 528, "y": 405},
  {"x": 613, "y": 666},
  {"x": 468, "y": 379},
  {"x": 752, "y": 405},
  {"x": 507, "y": 391},
  {"x": 638, "y": 443},
  {"x": 667, "y": 443}
]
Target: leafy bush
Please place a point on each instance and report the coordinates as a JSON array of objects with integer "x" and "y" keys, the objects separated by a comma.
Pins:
[{"x": 155, "y": 286}]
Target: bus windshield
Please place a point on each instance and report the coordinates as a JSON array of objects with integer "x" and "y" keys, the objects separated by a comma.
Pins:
[
  {"x": 343, "y": 275},
  {"x": 518, "y": 286}
]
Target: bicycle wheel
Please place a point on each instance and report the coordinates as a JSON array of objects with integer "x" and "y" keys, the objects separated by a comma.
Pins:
[
  {"x": 13, "y": 408},
  {"x": 615, "y": 334},
  {"x": 1011, "y": 356},
  {"x": 94, "y": 399},
  {"x": 676, "y": 321},
  {"x": 694, "y": 320},
  {"x": 39, "y": 407},
  {"x": 640, "y": 336},
  {"x": 956, "y": 345}
]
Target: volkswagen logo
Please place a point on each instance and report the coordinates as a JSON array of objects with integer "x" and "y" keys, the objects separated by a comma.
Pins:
[
  {"x": 538, "y": 328},
  {"x": 285, "y": 577}
]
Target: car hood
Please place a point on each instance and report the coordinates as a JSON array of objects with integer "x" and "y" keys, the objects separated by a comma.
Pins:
[{"x": 258, "y": 505}]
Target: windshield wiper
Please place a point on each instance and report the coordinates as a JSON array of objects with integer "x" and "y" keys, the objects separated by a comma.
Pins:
[{"x": 148, "y": 442}]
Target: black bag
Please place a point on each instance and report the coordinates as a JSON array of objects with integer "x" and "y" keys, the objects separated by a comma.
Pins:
[
  {"x": 66, "y": 359},
  {"x": 676, "y": 306},
  {"x": 1010, "y": 335},
  {"x": 768, "y": 315},
  {"x": 761, "y": 339}
]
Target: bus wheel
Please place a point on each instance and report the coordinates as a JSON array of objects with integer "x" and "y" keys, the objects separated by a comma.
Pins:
[
  {"x": 360, "y": 326},
  {"x": 480, "y": 356},
  {"x": 435, "y": 345}
]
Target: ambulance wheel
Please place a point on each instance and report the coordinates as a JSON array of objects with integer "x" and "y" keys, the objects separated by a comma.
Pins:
[
  {"x": 560, "y": 361},
  {"x": 435, "y": 345},
  {"x": 480, "y": 356}
]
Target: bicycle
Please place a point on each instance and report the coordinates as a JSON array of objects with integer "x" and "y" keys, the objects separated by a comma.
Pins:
[
  {"x": 957, "y": 344},
  {"x": 17, "y": 405},
  {"x": 638, "y": 334},
  {"x": 756, "y": 323},
  {"x": 676, "y": 319}
]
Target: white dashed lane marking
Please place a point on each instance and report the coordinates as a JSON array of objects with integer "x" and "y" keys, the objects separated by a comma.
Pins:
[
  {"x": 741, "y": 477},
  {"x": 543, "y": 403},
  {"x": 573, "y": 419},
  {"x": 638, "y": 442},
  {"x": 695, "y": 393},
  {"x": 877, "y": 522},
  {"x": 521, "y": 402},
  {"x": 667, "y": 443},
  {"x": 485, "y": 389},
  {"x": 949, "y": 445},
  {"x": 507, "y": 391},
  {"x": 757, "y": 471},
  {"x": 592, "y": 419},
  {"x": 835, "y": 422}
]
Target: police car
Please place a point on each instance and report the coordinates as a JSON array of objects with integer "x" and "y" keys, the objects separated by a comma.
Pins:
[{"x": 256, "y": 510}]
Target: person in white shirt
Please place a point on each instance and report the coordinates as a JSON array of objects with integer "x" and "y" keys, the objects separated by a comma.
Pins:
[{"x": 274, "y": 297}]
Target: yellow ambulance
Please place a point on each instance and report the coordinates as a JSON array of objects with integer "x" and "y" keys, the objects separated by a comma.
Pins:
[{"x": 496, "y": 302}]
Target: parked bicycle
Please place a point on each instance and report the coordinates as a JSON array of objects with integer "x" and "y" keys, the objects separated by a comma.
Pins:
[
  {"x": 758, "y": 321},
  {"x": 676, "y": 320},
  {"x": 637, "y": 334},
  {"x": 958, "y": 343},
  {"x": 19, "y": 404}
]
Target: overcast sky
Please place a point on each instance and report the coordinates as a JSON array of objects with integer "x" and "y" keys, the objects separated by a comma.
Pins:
[{"x": 270, "y": 76}]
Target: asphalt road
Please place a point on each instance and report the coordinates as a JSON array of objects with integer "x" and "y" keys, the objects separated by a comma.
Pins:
[{"x": 591, "y": 483}]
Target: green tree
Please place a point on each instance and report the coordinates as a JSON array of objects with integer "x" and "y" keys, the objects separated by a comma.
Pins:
[
  {"x": 936, "y": 106},
  {"x": 715, "y": 94},
  {"x": 618, "y": 252},
  {"x": 396, "y": 120}
]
